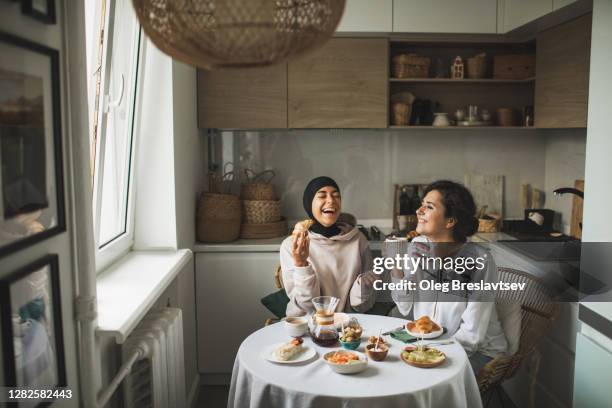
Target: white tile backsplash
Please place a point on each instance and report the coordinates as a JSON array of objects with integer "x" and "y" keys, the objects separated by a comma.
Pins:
[{"x": 366, "y": 163}]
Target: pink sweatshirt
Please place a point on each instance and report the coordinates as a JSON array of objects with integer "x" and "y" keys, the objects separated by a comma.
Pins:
[{"x": 334, "y": 268}]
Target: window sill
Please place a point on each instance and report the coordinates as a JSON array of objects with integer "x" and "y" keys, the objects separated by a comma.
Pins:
[{"x": 128, "y": 288}]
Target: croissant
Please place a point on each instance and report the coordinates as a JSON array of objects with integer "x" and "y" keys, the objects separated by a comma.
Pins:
[{"x": 302, "y": 226}]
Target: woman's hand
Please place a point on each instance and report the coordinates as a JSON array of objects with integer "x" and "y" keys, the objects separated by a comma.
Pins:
[{"x": 300, "y": 248}]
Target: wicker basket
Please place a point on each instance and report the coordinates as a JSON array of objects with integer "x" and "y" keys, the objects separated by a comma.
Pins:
[
  {"x": 477, "y": 67},
  {"x": 258, "y": 186},
  {"x": 218, "y": 217},
  {"x": 258, "y": 231},
  {"x": 411, "y": 66},
  {"x": 261, "y": 211},
  {"x": 489, "y": 224}
]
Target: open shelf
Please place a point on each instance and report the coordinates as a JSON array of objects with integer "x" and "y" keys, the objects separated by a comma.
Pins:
[{"x": 462, "y": 81}]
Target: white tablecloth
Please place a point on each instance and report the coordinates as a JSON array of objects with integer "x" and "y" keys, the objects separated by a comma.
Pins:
[{"x": 257, "y": 382}]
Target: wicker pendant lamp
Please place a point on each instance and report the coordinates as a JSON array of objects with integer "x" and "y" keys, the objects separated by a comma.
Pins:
[{"x": 238, "y": 33}]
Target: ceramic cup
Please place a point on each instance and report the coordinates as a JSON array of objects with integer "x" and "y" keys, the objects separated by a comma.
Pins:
[
  {"x": 296, "y": 326},
  {"x": 441, "y": 119}
]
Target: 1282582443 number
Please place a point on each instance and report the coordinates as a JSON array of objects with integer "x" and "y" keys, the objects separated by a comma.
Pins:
[{"x": 16, "y": 394}]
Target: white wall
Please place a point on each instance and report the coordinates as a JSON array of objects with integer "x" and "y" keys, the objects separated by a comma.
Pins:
[
  {"x": 14, "y": 22},
  {"x": 367, "y": 163},
  {"x": 565, "y": 160}
]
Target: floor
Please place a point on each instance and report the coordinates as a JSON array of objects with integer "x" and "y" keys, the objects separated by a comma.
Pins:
[{"x": 215, "y": 396}]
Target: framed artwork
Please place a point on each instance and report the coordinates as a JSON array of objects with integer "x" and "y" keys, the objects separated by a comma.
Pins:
[
  {"x": 32, "y": 338},
  {"x": 31, "y": 175},
  {"x": 42, "y": 10}
]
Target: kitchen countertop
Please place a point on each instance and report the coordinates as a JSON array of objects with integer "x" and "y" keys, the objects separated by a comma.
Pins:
[{"x": 273, "y": 244}]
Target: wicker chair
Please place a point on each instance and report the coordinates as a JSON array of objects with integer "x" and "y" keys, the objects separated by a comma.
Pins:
[
  {"x": 278, "y": 282},
  {"x": 538, "y": 311}
]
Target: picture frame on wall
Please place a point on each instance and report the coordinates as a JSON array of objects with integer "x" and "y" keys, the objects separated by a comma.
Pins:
[
  {"x": 31, "y": 169},
  {"x": 42, "y": 10},
  {"x": 32, "y": 336}
]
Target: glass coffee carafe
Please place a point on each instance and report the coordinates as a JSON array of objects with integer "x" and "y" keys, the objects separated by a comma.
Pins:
[{"x": 323, "y": 330}]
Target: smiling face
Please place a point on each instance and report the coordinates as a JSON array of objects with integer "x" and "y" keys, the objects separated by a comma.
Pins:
[
  {"x": 433, "y": 222},
  {"x": 326, "y": 206}
]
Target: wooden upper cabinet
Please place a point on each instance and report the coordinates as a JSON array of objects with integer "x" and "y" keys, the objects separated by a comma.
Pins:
[
  {"x": 562, "y": 75},
  {"x": 367, "y": 15},
  {"x": 243, "y": 98},
  {"x": 445, "y": 16},
  {"x": 344, "y": 84}
]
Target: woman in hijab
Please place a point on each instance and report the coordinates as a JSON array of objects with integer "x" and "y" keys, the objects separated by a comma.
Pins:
[{"x": 331, "y": 258}]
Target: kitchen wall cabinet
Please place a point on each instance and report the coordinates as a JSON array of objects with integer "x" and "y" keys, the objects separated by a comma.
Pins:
[
  {"x": 514, "y": 13},
  {"x": 562, "y": 66},
  {"x": 444, "y": 16},
  {"x": 229, "y": 286},
  {"x": 367, "y": 16},
  {"x": 243, "y": 98},
  {"x": 341, "y": 85}
]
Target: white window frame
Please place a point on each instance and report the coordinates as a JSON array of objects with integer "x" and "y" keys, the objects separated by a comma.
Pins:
[{"x": 111, "y": 251}]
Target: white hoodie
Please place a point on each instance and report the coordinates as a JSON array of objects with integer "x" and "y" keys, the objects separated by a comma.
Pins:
[
  {"x": 472, "y": 322},
  {"x": 334, "y": 268}
]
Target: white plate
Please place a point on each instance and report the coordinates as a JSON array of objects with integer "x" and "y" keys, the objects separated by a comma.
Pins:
[
  {"x": 306, "y": 355},
  {"x": 432, "y": 335}
]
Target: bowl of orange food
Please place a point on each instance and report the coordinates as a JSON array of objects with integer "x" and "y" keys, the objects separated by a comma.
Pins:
[{"x": 346, "y": 362}]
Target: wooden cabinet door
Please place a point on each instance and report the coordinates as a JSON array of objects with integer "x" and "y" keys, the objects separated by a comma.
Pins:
[
  {"x": 445, "y": 16},
  {"x": 367, "y": 16},
  {"x": 342, "y": 85},
  {"x": 243, "y": 98},
  {"x": 562, "y": 75},
  {"x": 515, "y": 13}
]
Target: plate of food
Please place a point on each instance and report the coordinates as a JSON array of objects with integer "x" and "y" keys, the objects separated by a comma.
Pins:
[
  {"x": 292, "y": 352},
  {"x": 424, "y": 328},
  {"x": 346, "y": 362},
  {"x": 423, "y": 356}
]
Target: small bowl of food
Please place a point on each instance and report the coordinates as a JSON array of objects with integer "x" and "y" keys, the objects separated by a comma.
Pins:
[
  {"x": 350, "y": 338},
  {"x": 296, "y": 326},
  {"x": 346, "y": 362},
  {"x": 377, "y": 353},
  {"x": 350, "y": 345}
]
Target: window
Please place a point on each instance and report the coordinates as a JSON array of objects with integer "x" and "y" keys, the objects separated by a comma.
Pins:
[{"x": 113, "y": 85}]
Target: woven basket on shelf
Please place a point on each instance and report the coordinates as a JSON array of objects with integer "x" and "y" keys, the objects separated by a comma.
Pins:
[
  {"x": 258, "y": 187},
  {"x": 261, "y": 211},
  {"x": 258, "y": 231},
  {"x": 411, "y": 66},
  {"x": 218, "y": 217}
]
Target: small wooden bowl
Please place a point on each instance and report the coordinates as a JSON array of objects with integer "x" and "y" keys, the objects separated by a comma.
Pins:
[{"x": 377, "y": 355}]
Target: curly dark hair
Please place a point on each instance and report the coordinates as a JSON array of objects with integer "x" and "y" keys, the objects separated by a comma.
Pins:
[{"x": 458, "y": 204}]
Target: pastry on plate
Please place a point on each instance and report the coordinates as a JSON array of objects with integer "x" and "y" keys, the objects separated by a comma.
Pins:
[{"x": 289, "y": 351}]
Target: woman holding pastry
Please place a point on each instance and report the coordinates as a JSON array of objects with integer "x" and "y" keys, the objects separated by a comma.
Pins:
[
  {"x": 325, "y": 256},
  {"x": 446, "y": 219}
]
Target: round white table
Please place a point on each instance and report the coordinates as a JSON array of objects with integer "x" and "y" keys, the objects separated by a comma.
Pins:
[{"x": 257, "y": 382}]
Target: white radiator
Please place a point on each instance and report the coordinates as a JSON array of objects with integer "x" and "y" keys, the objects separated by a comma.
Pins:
[{"x": 158, "y": 380}]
